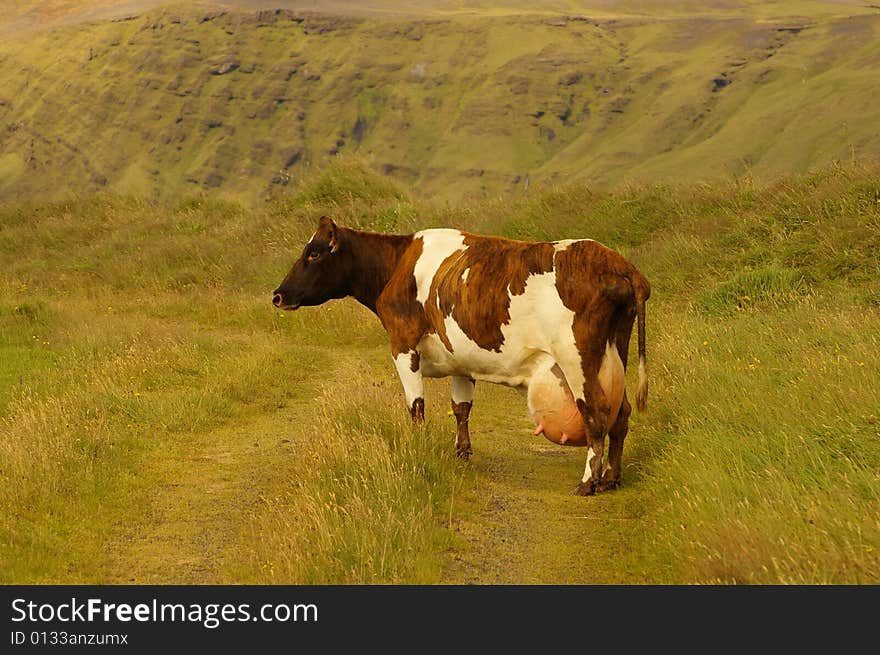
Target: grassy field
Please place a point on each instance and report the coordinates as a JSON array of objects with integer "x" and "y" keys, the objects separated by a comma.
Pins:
[
  {"x": 162, "y": 423},
  {"x": 453, "y": 100}
]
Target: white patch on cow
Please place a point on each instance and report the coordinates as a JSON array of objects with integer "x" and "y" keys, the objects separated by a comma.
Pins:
[
  {"x": 591, "y": 455},
  {"x": 462, "y": 389},
  {"x": 538, "y": 333},
  {"x": 464, "y": 275},
  {"x": 569, "y": 360},
  {"x": 612, "y": 380},
  {"x": 437, "y": 245},
  {"x": 413, "y": 386},
  {"x": 560, "y": 246}
]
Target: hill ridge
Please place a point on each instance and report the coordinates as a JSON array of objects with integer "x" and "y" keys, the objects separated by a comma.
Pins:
[{"x": 178, "y": 101}]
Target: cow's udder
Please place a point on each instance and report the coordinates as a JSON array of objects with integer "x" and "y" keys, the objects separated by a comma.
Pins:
[{"x": 552, "y": 407}]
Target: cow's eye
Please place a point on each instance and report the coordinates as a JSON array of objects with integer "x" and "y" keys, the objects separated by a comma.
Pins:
[{"x": 313, "y": 255}]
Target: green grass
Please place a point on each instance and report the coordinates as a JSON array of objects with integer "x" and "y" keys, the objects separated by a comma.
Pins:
[
  {"x": 767, "y": 447},
  {"x": 768, "y": 284},
  {"x": 137, "y": 344}
]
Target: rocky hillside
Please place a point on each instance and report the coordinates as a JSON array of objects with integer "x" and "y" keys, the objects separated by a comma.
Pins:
[{"x": 175, "y": 101}]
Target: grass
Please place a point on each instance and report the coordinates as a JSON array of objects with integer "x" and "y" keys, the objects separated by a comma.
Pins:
[
  {"x": 145, "y": 376},
  {"x": 368, "y": 506},
  {"x": 149, "y": 333},
  {"x": 767, "y": 446},
  {"x": 768, "y": 284}
]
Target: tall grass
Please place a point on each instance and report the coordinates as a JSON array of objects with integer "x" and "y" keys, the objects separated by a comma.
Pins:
[
  {"x": 369, "y": 502},
  {"x": 136, "y": 328},
  {"x": 128, "y": 329},
  {"x": 767, "y": 442}
]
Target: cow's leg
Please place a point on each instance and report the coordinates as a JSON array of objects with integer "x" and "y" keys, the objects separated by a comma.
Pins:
[
  {"x": 462, "y": 401},
  {"x": 409, "y": 369},
  {"x": 590, "y": 482},
  {"x": 595, "y": 411},
  {"x": 616, "y": 435}
]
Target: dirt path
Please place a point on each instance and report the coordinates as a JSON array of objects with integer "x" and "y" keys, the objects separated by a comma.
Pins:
[
  {"x": 203, "y": 490},
  {"x": 522, "y": 525},
  {"x": 515, "y": 518}
]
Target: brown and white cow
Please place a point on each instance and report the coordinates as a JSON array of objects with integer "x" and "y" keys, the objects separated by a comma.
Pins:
[{"x": 553, "y": 319}]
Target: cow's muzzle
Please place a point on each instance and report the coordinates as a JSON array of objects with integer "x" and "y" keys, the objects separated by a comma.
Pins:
[{"x": 278, "y": 301}]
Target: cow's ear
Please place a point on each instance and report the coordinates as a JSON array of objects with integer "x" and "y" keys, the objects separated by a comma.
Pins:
[{"x": 332, "y": 232}]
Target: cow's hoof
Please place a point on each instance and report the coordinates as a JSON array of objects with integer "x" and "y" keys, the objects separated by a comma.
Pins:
[
  {"x": 608, "y": 485},
  {"x": 585, "y": 489},
  {"x": 464, "y": 454}
]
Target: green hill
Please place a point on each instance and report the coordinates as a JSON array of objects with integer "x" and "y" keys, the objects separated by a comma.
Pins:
[{"x": 451, "y": 101}]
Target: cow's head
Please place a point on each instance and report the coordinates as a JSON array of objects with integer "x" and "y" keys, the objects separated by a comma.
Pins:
[{"x": 319, "y": 274}]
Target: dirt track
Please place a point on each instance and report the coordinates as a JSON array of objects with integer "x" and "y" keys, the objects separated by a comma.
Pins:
[
  {"x": 514, "y": 516},
  {"x": 523, "y": 525}
]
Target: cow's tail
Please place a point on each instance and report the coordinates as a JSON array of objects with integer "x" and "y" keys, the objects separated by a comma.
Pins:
[{"x": 642, "y": 292}]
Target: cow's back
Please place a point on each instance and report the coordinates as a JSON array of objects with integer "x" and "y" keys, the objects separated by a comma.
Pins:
[
  {"x": 474, "y": 285},
  {"x": 490, "y": 305},
  {"x": 474, "y": 278}
]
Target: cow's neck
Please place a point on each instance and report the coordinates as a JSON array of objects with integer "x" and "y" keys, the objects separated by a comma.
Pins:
[{"x": 373, "y": 260}]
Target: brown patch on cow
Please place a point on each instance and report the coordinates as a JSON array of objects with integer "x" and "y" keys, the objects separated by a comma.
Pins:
[
  {"x": 472, "y": 286},
  {"x": 414, "y": 361},
  {"x": 605, "y": 308},
  {"x": 374, "y": 260},
  {"x": 417, "y": 411},
  {"x": 599, "y": 286},
  {"x": 401, "y": 314},
  {"x": 463, "y": 438}
]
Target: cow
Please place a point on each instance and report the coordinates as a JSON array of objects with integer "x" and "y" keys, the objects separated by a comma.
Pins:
[{"x": 551, "y": 318}]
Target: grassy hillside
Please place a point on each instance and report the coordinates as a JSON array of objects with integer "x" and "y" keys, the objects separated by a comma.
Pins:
[
  {"x": 162, "y": 423},
  {"x": 452, "y": 101}
]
